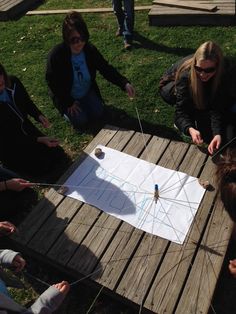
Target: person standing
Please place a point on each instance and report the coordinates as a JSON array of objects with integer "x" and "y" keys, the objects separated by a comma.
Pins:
[{"x": 125, "y": 19}]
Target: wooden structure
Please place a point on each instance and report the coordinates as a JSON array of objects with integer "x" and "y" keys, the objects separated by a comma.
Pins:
[
  {"x": 10, "y": 9},
  {"x": 198, "y": 12},
  {"x": 89, "y": 10},
  {"x": 135, "y": 266}
]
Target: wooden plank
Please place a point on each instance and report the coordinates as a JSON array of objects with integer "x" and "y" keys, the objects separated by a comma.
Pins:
[
  {"x": 66, "y": 245},
  {"x": 119, "y": 252},
  {"x": 172, "y": 18},
  {"x": 205, "y": 271},
  {"x": 139, "y": 274},
  {"x": 106, "y": 227},
  {"x": 71, "y": 239},
  {"x": 54, "y": 225},
  {"x": 159, "y": 10},
  {"x": 192, "y": 5},
  {"x": 5, "y": 6},
  {"x": 47, "y": 206},
  {"x": 88, "y": 10},
  {"x": 174, "y": 269}
]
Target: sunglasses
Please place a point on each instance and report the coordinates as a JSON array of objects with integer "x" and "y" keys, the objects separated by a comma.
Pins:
[
  {"x": 76, "y": 40},
  {"x": 205, "y": 70}
]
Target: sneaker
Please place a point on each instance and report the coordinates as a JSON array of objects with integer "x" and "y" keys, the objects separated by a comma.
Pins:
[
  {"x": 127, "y": 45},
  {"x": 119, "y": 33}
]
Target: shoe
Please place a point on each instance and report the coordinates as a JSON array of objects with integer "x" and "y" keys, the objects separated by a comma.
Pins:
[
  {"x": 127, "y": 46},
  {"x": 119, "y": 33}
]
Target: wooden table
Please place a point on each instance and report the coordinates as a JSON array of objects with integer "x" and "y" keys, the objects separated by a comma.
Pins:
[{"x": 137, "y": 267}]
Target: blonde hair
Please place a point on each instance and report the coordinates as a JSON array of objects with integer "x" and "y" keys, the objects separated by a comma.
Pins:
[{"x": 207, "y": 51}]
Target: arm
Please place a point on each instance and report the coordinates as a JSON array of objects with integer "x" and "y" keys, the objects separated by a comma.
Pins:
[
  {"x": 15, "y": 184},
  {"x": 216, "y": 126},
  {"x": 23, "y": 100},
  {"x": 6, "y": 228},
  {"x": 94, "y": 57},
  {"x": 7, "y": 257},
  {"x": 184, "y": 109},
  {"x": 59, "y": 76},
  {"x": 51, "y": 299}
]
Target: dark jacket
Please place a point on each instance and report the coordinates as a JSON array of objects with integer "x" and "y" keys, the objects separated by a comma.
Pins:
[
  {"x": 14, "y": 122},
  {"x": 186, "y": 113},
  {"x": 59, "y": 73}
]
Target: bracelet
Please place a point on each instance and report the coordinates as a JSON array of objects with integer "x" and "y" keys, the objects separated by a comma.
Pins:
[{"x": 6, "y": 187}]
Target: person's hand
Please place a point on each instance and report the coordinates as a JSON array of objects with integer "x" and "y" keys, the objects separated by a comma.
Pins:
[
  {"x": 44, "y": 121},
  {"x": 18, "y": 184},
  {"x": 130, "y": 90},
  {"x": 18, "y": 263},
  {"x": 74, "y": 109},
  {"x": 7, "y": 228},
  {"x": 63, "y": 287},
  {"x": 214, "y": 144},
  {"x": 50, "y": 142},
  {"x": 196, "y": 136},
  {"x": 232, "y": 267}
]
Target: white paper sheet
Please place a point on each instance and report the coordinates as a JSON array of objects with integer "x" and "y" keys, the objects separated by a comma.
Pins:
[{"x": 123, "y": 186}]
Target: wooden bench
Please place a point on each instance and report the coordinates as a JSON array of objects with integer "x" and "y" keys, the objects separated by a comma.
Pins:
[
  {"x": 10, "y": 9},
  {"x": 138, "y": 268},
  {"x": 223, "y": 12}
]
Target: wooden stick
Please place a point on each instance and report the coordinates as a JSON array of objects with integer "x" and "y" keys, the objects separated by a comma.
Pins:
[
  {"x": 89, "y": 10},
  {"x": 192, "y": 5}
]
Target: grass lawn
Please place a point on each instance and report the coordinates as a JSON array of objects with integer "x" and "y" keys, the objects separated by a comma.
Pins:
[{"x": 25, "y": 44}]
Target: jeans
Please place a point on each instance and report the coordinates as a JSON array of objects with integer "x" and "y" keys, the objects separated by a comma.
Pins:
[
  {"x": 125, "y": 18},
  {"x": 90, "y": 107},
  {"x": 3, "y": 288}
]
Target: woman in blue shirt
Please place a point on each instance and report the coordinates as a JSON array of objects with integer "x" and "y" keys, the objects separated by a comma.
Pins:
[{"x": 71, "y": 74}]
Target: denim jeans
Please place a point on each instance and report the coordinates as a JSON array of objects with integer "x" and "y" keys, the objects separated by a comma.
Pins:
[
  {"x": 3, "y": 288},
  {"x": 125, "y": 17},
  {"x": 90, "y": 107}
]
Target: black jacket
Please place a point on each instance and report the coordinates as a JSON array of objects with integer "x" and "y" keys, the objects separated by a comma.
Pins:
[
  {"x": 14, "y": 122},
  {"x": 59, "y": 73},
  {"x": 186, "y": 112}
]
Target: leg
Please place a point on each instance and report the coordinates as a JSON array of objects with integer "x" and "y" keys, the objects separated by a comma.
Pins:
[
  {"x": 78, "y": 119},
  {"x": 118, "y": 11},
  {"x": 129, "y": 20},
  {"x": 3, "y": 288},
  {"x": 92, "y": 104}
]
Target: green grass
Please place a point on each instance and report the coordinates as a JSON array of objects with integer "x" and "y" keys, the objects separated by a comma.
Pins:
[{"x": 26, "y": 42}]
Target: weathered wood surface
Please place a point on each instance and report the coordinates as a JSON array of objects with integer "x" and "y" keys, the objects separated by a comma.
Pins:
[
  {"x": 192, "y": 5},
  {"x": 224, "y": 14},
  {"x": 133, "y": 265},
  {"x": 88, "y": 10},
  {"x": 10, "y": 9}
]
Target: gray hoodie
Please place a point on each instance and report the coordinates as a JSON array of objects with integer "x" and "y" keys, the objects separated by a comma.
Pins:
[{"x": 47, "y": 303}]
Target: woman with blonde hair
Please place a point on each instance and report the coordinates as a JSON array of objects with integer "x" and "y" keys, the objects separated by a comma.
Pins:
[{"x": 197, "y": 85}]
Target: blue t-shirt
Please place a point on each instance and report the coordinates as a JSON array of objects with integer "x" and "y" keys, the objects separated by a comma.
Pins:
[
  {"x": 82, "y": 78},
  {"x": 4, "y": 97}
]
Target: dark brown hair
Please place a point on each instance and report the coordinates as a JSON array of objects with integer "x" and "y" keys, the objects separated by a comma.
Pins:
[
  {"x": 4, "y": 73},
  {"x": 74, "y": 22},
  {"x": 226, "y": 175}
]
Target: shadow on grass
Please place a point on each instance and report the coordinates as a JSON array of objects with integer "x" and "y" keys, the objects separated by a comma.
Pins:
[
  {"x": 122, "y": 119},
  {"x": 144, "y": 42}
]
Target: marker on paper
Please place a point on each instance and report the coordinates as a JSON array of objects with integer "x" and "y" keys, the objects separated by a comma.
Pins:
[{"x": 156, "y": 193}]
